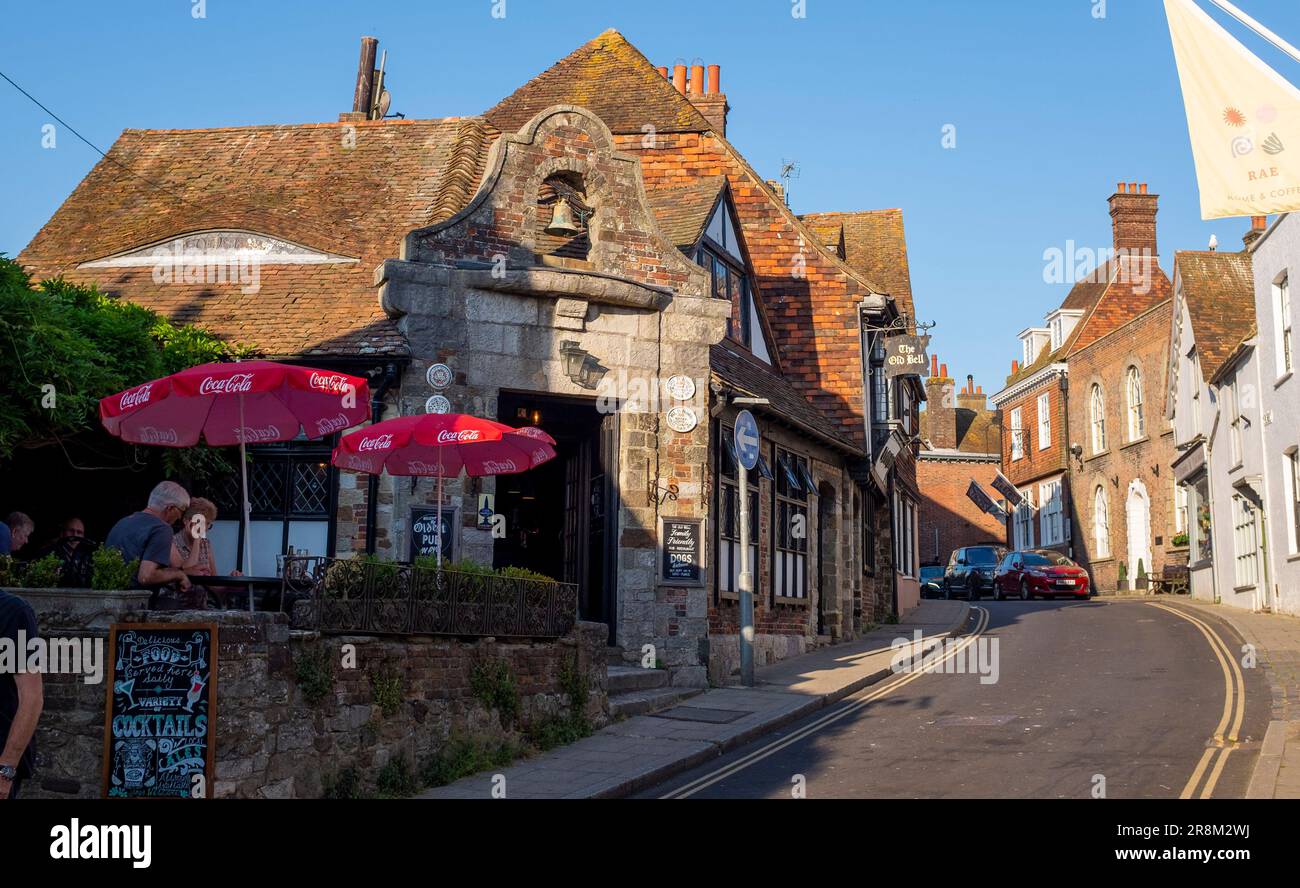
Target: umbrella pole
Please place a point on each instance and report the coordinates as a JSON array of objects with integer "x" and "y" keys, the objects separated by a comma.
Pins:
[
  {"x": 438, "y": 542},
  {"x": 248, "y": 530}
]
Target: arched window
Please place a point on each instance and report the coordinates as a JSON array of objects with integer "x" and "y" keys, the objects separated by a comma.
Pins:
[
  {"x": 1136, "y": 422},
  {"x": 1101, "y": 524},
  {"x": 1098, "y": 419}
]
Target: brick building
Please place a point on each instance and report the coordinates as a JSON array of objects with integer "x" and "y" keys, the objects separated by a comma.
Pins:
[
  {"x": 1082, "y": 439},
  {"x": 569, "y": 253},
  {"x": 961, "y": 441}
]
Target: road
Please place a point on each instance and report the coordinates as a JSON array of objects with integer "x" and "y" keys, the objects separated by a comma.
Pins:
[{"x": 1125, "y": 698}]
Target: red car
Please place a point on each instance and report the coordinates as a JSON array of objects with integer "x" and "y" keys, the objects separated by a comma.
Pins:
[{"x": 1039, "y": 572}]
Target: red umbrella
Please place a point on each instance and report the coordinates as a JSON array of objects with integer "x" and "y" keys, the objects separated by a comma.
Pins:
[
  {"x": 441, "y": 445},
  {"x": 238, "y": 403}
]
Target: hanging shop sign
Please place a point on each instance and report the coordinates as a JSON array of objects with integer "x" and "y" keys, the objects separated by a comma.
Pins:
[
  {"x": 161, "y": 712},
  {"x": 905, "y": 356},
  {"x": 979, "y": 497},
  {"x": 1003, "y": 486}
]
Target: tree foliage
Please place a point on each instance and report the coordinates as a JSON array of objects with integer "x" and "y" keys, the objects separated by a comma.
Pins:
[{"x": 64, "y": 346}]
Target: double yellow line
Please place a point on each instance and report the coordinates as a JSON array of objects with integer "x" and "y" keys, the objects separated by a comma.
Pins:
[
  {"x": 808, "y": 730},
  {"x": 1234, "y": 709}
]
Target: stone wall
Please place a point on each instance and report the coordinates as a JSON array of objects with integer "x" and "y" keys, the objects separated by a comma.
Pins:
[{"x": 271, "y": 741}]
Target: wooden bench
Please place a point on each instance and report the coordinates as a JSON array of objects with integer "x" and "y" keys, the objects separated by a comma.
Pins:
[{"x": 1174, "y": 579}]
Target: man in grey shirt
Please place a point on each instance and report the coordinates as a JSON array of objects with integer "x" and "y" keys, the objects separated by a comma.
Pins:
[{"x": 147, "y": 535}]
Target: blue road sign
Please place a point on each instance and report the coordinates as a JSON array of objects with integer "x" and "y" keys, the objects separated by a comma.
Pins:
[{"x": 747, "y": 440}]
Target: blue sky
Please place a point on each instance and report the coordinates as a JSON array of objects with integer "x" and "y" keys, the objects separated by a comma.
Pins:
[{"x": 1052, "y": 107}]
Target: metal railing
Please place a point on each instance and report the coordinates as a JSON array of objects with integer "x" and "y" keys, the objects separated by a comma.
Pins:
[{"x": 363, "y": 597}]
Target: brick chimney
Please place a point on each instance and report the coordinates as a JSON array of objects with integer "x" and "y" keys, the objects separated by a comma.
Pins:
[
  {"x": 705, "y": 93},
  {"x": 1133, "y": 218},
  {"x": 940, "y": 407},
  {"x": 972, "y": 396},
  {"x": 1258, "y": 225}
]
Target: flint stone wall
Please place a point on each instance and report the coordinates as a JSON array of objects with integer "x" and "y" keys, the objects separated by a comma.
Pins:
[{"x": 272, "y": 743}]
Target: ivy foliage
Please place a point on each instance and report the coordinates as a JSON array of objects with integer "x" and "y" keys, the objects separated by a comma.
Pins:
[{"x": 64, "y": 346}]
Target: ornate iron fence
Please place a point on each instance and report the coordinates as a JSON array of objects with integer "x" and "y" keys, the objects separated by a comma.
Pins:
[{"x": 337, "y": 595}]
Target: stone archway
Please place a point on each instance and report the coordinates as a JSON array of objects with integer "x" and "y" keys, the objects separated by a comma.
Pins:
[{"x": 1137, "y": 512}]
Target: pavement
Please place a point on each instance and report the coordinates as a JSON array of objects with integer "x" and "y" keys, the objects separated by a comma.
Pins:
[
  {"x": 1276, "y": 639},
  {"x": 639, "y": 752}
]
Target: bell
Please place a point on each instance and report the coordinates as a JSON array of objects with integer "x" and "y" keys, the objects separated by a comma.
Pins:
[{"x": 562, "y": 220}]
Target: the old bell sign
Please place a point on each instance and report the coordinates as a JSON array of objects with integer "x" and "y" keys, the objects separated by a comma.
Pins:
[{"x": 905, "y": 356}]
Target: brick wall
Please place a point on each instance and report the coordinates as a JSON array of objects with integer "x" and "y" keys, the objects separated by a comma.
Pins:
[
  {"x": 1144, "y": 343},
  {"x": 948, "y": 519},
  {"x": 1035, "y": 463}
]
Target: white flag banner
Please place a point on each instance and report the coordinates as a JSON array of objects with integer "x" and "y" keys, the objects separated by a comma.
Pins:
[{"x": 1243, "y": 116}]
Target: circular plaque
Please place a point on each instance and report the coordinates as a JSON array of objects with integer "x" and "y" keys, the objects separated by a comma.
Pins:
[
  {"x": 682, "y": 419},
  {"x": 439, "y": 375},
  {"x": 680, "y": 388},
  {"x": 437, "y": 404}
]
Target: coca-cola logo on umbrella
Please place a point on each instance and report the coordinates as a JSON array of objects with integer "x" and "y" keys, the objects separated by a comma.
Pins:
[
  {"x": 420, "y": 467},
  {"x": 152, "y": 435},
  {"x": 499, "y": 467},
  {"x": 231, "y": 385},
  {"x": 250, "y": 435},
  {"x": 540, "y": 456},
  {"x": 135, "y": 397},
  {"x": 450, "y": 436},
  {"x": 379, "y": 442},
  {"x": 332, "y": 424},
  {"x": 334, "y": 383}
]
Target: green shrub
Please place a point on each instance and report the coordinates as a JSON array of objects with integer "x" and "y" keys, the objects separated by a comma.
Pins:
[
  {"x": 523, "y": 573},
  {"x": 494, "y": 685},
  {"x": 314, "y": 669},
  {"x": 346, "y": 784},
  {"x": 8, "y": 571},
  {"x": 386, "y": 685},
  {"x": 558, "y": 731},
  {"x": 395, "y": 780},
  {"x": 463, "y": 755},
  {"x": 1142, "y": 570},
  {"x": 43, "y": 573},
  {"x": 109, "y": 572}
]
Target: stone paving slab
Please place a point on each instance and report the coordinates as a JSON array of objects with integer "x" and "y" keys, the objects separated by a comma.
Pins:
[{"x": 637, "y": 752}]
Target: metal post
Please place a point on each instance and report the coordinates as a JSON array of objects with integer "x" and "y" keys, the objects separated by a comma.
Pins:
[
  {"x": 746, "y": 581},
  {"x": 1258, "y": 28}
]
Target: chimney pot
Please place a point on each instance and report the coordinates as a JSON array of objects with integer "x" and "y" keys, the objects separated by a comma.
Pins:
[
  {"x": 943, "y": 370},
  {"x": 679, "y": 78},
  {"x": 362, "y": 96},
  {"x": 697, "y": 80},
  {"x": 663, "y": 71},
  {"x": 715, "y": 80},
  {"x": 1121, "y": 188},
  {"x": 1259, "y": 223},
  {"x": 934, "y": 365},
  {"x": 1142, "y": 189},
  {"x": 1015, "y": 366}
]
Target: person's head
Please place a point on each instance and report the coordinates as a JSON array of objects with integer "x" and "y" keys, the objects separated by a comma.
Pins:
[
  {"x": 169, "y": 501},
  {"x": 20, "y": 528},
  {"x": 198, "y": 506},
  {"x": 73, "y": 527}
]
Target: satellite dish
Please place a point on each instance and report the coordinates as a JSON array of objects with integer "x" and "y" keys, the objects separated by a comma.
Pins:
[{"x": 381, "y": 106}]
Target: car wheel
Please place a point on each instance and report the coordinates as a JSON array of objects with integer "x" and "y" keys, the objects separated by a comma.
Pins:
[
  {"x": 997, "y": 591},
  {"x": 1025, "y": 594}
]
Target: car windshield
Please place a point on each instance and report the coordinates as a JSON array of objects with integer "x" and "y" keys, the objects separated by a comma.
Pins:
[
  {"x": 981, "y": 556},
  {"x": 1040, "y": 559}
]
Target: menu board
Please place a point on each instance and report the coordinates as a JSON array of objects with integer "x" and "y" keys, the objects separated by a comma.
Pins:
[
  {"x": 424, "y": 532},
  {"x": 160, "y": 716},
  {"x": 681, "y": 547}
]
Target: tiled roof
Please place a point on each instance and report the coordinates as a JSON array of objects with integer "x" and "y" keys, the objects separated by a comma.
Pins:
[
  {"x": 1219, "y": 289},
  {"x": 684, "y": 211},
  {"x": 874, "y": 244},
  {"x": 753, "y": 378},
  {"x": 610, "y": 77},
  {"x": 349, "y": 189}
]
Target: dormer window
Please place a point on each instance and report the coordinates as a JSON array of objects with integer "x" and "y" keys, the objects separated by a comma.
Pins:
[{"x": 722, "y": 254}]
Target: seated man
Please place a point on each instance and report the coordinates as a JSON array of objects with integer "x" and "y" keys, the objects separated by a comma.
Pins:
[
  {"x": 147, "y": 535},
  {"x": 73, "y": 551},
  {"x": 18, "y": 529}
]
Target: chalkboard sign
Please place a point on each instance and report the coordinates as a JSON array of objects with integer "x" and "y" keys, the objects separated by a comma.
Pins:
[
  {"x": 161, "y": 712},
  {"x": 424, "y": 532},
  {"x": 681, "y": 548}
]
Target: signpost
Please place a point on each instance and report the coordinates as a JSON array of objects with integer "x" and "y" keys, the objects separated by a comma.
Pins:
[
  {"x": 161, "y": 711},
  {"x": 747, "y": 440}
]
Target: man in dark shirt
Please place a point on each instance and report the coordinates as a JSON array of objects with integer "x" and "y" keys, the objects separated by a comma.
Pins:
[
  {"x": 147, "y": 536},
  {"x": 21, "y": 697}
]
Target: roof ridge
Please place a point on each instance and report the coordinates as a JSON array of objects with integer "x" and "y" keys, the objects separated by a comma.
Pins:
[{"x": 408, "y": 121}]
